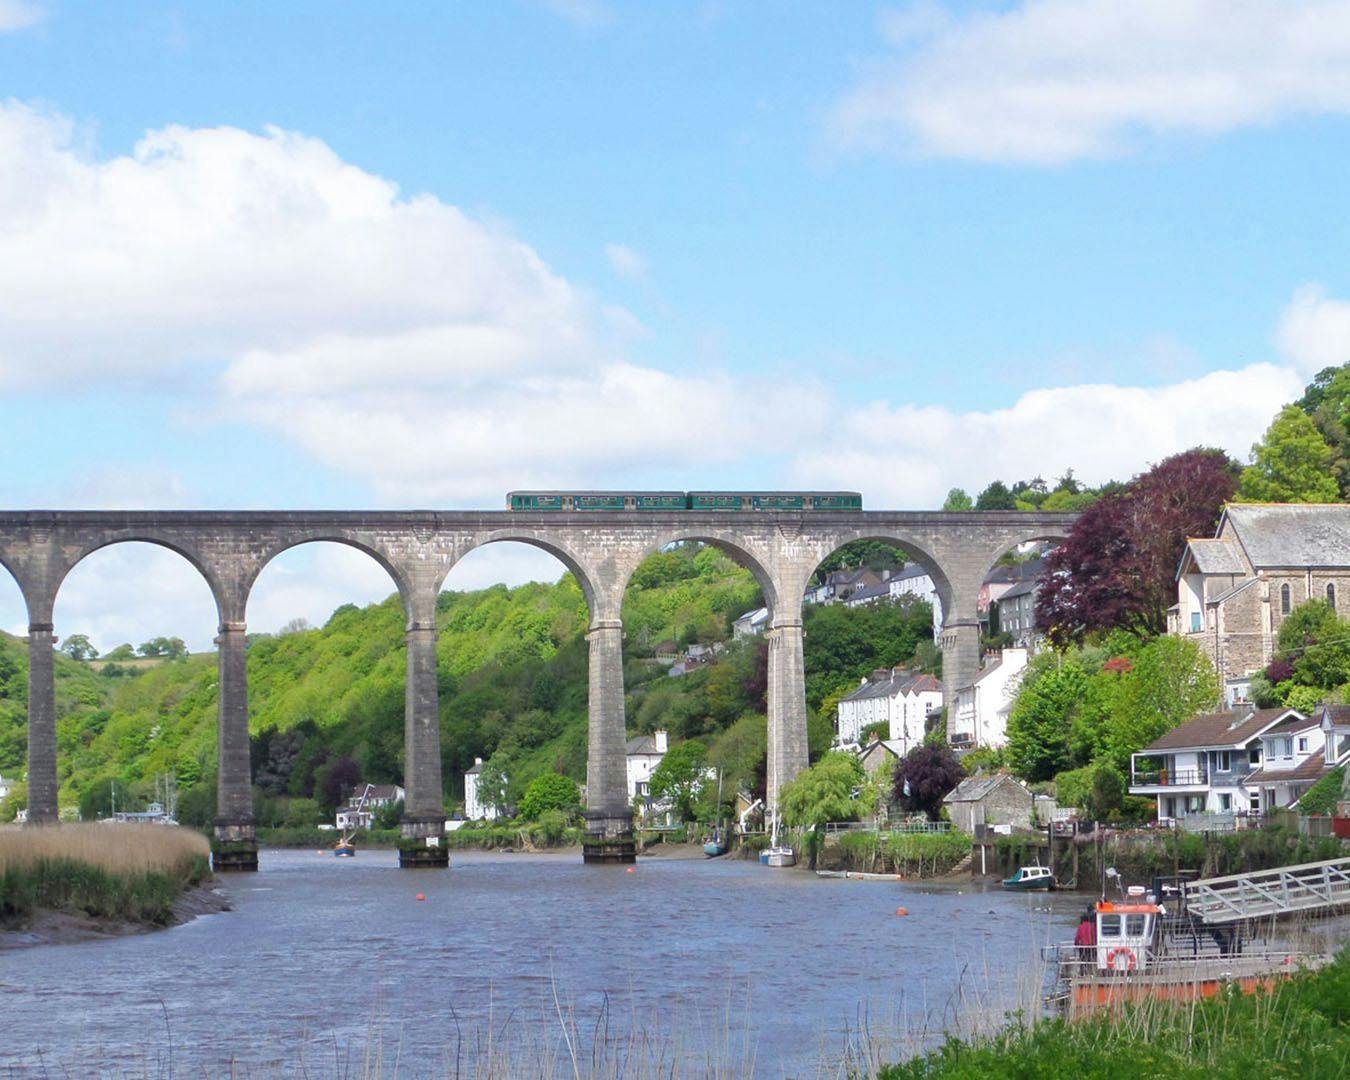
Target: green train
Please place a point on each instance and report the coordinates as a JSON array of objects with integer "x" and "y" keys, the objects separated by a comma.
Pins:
[{"x": 582, "y": 501}]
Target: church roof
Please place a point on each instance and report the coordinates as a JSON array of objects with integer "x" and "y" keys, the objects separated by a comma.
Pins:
[{"x": 1278, "y": 535}]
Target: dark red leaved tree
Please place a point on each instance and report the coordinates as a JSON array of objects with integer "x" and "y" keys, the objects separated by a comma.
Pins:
[
  {"x": 1117, "y": 568},
  {"x": 924, "y": 776}
]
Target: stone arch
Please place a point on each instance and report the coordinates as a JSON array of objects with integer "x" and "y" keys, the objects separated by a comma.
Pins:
[
  {"x": 19, "y": 588},
  {"x": 917, "y": 549},
  {"x": 1008, "y": 540},
  {"x": 136, "y": 536},
  {"x": 586, "y": 577},
  {"x": 270, "y": 554},
  {"x": 728, "y": 543}
]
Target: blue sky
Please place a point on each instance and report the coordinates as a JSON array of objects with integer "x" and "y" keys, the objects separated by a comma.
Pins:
[{"x": 413, "y": 255}]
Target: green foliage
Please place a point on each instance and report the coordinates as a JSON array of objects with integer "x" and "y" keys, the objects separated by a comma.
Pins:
[
  {"x": 1323, "y": 796},
  {"x": 957, "y": 499},
  {"x": 1317, "y": 642},
  {"x": 1041, "y": 719},
  {"x": 79, "y": 647},
  {"x": 842, "y": 644},
  {"x": 1292, "y": 463},
  {"x": 872, "y": 554},
  {"x": 679, "y": 776},
  {"x": 1171, "y": 681},
  {"x": 169, "y": 647},
  {"x": 550, "y": 792},
  {"x": 1301, "y": 1028},
  {"x": 75, "y": 887},
  {"x": 824, "y": 792},
  {"x": 996, "y": 497}
]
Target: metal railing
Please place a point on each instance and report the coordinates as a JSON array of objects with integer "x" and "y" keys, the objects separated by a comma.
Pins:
[
  {"x": 909, "y": 826},
  {"x": 1168, "y": 777},
  {"x": 1270, "y": 892}
]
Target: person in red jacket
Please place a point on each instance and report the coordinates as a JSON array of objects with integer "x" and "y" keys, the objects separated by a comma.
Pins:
[{"x": 1086, "y": 938}]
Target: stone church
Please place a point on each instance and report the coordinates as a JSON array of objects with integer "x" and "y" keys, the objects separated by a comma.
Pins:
[{"x": 1236, "y": 588}]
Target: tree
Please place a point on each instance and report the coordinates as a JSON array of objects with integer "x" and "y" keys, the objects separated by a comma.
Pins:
[
  {"x": 78, "y": 647},
  {"x": 1041, "y": 720},
  {"x": 827, "y": 791},
  {"x": 680, "y": 775},
  {"x": 874, "y": 554},
  {"x": 1327, "y": 402},
  {"x": 1314, "y": 645},
  {"x": 552, "y": 791},
  {"x": 334, "y": 781},
  {"x": 1171, "y": 682},
  {"x": 957, "y": 499},
  {"x": 924, "y": 776},
  {"x": 122, "y": 652},
  {"x": 1117, "y": 567},
  {"x": 1293, "y": 463},
  {"x": 169, "y": 647},
  {"x": 492, "y": 783},
  {"x": 389, "y": 816},
  {"x": 996, "y": 497}
]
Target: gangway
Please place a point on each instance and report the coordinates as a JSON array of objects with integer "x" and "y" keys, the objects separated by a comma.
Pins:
[{"x": 1285, "y": 889}]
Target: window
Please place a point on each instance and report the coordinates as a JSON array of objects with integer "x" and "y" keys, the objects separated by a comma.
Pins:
[
  {"x": 1255, "y": 756},
  {"x": 1331, "y": 593},
  {"x": 1195, "y": 622},
  {"x": 1134, "y": 925},
  {"x": 1223, "y": 762},
  {"x": 1225, "y": 803},
  {"x": 1284, "y": 599},
  {"x": 1303, "y": 744},
  {"x": 1110, "y": 926}
]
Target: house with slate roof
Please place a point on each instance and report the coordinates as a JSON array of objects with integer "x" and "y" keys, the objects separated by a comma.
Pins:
[
  {"x": 989, "y": 799},
  {"x": 1015, "y": 613},
  {"x": 905, "y": 703},
  {"x": 1214, "y": 764},
  {"x": 980, "y": 714},
  {"x": 1234, "y": 589}
]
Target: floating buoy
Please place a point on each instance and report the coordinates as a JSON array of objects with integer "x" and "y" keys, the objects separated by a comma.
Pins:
[
  {"x": 421, "y": 896},
  {"x": 902, "y": 911},
  {"x": 629, "y": 870}
]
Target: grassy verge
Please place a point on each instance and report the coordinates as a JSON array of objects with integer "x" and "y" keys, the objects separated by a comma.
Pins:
[
  {"x": 130, "y": 873},
  {"x": 1301, "y": 1028}
]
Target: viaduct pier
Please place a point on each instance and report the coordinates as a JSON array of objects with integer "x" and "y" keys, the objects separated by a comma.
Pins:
[{"x": 418, "y": 549}]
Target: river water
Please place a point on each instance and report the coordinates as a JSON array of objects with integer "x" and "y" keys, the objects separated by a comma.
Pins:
[{"x": 527, "y": 965}]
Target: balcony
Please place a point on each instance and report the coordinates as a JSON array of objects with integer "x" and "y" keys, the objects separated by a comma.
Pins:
[{"x": 1168, "y": 777}]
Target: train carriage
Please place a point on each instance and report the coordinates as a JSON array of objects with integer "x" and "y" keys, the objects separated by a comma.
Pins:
[
  {"x": 590, "y": 501},
  {"x": 779, "y": 501}
]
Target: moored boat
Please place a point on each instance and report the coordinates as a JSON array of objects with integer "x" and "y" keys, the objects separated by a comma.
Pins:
[
  {"x": 1029, "y": 878},
  {"x": 344, "y": 849}
]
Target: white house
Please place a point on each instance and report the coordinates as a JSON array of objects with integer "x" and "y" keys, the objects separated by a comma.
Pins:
[
  {"x": 6, "y": 786},
  {"x": 357, "y": 816},
  {"x": 644, "y": 754},
  {"x": 1216, "y": 763},
  {"x": 474, "y": 808},
  {"x": 1295, "y": 754},
  {"x": 980, "y": 715},
  {"x": 751, "y": 623},
  {"x": 901, "y": 701}
]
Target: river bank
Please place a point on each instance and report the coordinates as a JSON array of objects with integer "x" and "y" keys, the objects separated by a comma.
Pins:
[{"x": 74, "y": 882}]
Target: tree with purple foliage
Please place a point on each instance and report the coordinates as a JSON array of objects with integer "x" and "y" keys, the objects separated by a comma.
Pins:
[
  {"x": 1117, "y": 567},
  {"x": 924, "y": 776}
]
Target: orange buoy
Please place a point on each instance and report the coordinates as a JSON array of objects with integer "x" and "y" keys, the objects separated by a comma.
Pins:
[
  {"x": 902, "y": 911},
  {"x": 421, "y": 896}
]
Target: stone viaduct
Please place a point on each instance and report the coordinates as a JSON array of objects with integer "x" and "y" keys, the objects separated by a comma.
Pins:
[{"x": 419, "y": 548}]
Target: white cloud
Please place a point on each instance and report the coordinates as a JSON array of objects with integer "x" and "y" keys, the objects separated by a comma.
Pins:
[
  {"x": 20, "y": 14},
  {"x": 1314, "y": 331},
  {"x": 911, "y": 456},
  {"x": 626, "y": 262},
  {"x": 1051, "y": 81}
]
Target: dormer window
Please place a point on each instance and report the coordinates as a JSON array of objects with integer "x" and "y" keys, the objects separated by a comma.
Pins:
[{"x": 1284, "y": 599}]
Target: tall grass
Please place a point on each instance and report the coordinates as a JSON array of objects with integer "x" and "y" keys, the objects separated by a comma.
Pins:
[
  {"x": 1300, "y": 1028},
  {"x": 133, "y": 873}
]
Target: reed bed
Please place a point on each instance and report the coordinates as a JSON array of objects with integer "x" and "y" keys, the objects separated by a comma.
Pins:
[{"x": 132, "y": 873}]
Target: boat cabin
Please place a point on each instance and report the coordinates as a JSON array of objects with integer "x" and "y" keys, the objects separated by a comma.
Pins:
[
  {"x": 1031, "y": 877},
  {"x": 1125, "y": 935}
]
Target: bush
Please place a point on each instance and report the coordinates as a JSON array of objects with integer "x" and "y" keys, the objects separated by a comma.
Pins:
[
  {"x": 551, "y": 791},
  {"x": 1323, "y": 796}
]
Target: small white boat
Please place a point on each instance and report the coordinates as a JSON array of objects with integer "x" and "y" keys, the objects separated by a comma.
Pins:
[{"x": 777, "y": 854}]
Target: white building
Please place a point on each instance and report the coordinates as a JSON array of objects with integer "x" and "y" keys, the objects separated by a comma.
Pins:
[
  {"x": 6, "y": 786},
  {"x": 980, "y": 716},
  {"x": 901, "y": 701},
  {"x": 1236, "y": 762},
  {"x": 644, "y": 754},
  {"x": 751, "y": 623},
  {"x": 359, "y": 814},
  {"x": 913, "y": 580},
  {"x": 474, "y": 808}
]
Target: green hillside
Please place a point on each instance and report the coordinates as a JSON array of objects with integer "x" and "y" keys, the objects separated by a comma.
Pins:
[{"x": 327, "y": 704}]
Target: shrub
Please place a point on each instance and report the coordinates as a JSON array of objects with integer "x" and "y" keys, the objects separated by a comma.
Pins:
[
  {"x": 551, "y": 791},
  {"x": 1323, "y": 796}
]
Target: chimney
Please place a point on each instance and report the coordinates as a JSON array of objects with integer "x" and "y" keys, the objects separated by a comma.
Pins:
[{"x": 661, "y": 741}]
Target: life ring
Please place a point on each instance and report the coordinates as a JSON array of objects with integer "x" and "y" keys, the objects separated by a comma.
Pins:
[{"x": 1121, "y": 950}]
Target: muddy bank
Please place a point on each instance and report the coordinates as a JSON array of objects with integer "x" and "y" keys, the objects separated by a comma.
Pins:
[{"x": 65, "y": 928}]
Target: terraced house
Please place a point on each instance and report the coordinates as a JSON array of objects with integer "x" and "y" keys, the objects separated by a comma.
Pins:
[{"x": 1234, "y": 589}]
